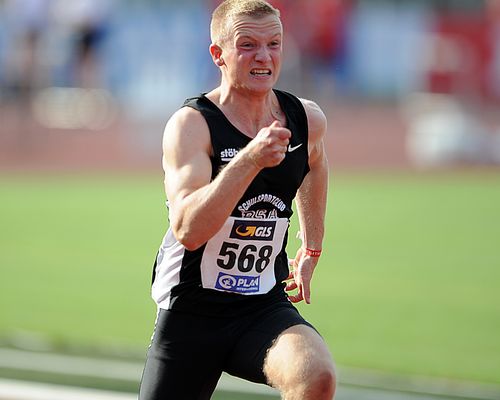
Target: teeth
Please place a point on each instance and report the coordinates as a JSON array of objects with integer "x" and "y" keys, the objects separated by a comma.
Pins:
[{"x": 261, "y": 72}]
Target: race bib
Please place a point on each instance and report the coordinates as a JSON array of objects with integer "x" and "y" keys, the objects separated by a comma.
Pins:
[{"x": 240, "y": 257}]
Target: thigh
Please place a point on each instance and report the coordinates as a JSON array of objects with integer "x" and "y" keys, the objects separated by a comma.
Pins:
[
  {"x": 183, "y": 360},
  {"x": 256, "y": 336}
]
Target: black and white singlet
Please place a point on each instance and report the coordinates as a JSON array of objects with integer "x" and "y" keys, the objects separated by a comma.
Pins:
[{"x": 242, "y": 266}]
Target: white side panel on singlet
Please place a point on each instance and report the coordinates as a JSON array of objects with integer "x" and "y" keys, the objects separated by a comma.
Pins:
[{"x": 168, "y": 268}]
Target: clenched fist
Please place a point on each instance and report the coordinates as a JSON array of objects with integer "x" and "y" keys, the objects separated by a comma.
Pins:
[{"x": 270, "y": 145}]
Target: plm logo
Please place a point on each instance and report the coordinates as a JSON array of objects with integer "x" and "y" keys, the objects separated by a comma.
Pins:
[
  {"x": 253, "y": 230},
  {"x": 237, "y": 283}
]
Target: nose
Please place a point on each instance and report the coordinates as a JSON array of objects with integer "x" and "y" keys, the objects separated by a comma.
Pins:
[{"x": 263, "y": 54}]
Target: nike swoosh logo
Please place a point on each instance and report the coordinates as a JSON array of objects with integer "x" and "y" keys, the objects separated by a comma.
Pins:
[{"x": 290, "y": 148}]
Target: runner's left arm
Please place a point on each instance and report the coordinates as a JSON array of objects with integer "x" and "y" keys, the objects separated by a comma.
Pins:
[{"x": 311, "y": 206}]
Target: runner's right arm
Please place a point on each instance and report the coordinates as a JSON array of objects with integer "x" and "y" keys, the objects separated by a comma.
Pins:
[{"x": 199, "y": 207}]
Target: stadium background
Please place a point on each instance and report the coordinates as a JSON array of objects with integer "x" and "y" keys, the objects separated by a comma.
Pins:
[{"x": 412, "y": 93}]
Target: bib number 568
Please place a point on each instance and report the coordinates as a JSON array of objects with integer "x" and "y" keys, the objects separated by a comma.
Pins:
[{"x": 246, "y": 258}]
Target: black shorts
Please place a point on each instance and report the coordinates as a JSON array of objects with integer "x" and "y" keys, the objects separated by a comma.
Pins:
[{"x": 188, "y": 353}]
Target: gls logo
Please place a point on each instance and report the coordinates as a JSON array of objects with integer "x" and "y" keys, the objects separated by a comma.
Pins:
[
  {"x": 253, "y": 230},
  {"x": 228, "y": 154}
]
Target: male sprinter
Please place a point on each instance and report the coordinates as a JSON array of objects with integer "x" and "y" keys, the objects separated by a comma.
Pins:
[{"x": 234, "y": 160}]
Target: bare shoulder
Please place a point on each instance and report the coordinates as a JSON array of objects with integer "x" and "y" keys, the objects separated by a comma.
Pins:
[
  {"x": 186, "y": 153},
  {"x": 316, "y": 120},
  {"x": 186, "y": 131}
]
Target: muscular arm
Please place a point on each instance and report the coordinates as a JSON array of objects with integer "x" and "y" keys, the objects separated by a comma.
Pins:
[
  {"x": 311, "y": 204},
  {"x": 311, "y": 197},
  {"x": 198, "y": 206}
]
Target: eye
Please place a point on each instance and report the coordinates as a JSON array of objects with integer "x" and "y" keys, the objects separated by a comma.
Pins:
[
  {"x": 246, "y": 45},
  {"x": 275, "y": 44}
]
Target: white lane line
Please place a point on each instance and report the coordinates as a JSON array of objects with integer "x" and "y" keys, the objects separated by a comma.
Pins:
[
  {"x": 350, "y": 377},
  {"x": 20, "y": 390},
  {"x": 70, "y": 365},
  {"x": 418, "y": 384},
  {"x": 106, "y": 369}
]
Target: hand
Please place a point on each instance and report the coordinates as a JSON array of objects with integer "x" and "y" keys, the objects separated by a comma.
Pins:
[
  {"x": 269, "y": 147},
  {"x": 300, "y": 277}
]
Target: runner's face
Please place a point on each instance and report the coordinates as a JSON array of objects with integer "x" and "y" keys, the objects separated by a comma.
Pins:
[{"x": 253, "y": 53}]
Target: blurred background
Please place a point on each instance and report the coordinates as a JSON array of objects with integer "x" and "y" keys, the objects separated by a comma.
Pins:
[
  {"x": 411, "y": 89},
  {"x": 107, "y": 74}
]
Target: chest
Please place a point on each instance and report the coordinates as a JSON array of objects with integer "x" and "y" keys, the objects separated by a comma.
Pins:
[{"x": 285, "y": 178}]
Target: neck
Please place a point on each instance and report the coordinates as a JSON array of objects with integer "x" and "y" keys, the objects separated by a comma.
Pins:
[{"x": 249, "y": 112}]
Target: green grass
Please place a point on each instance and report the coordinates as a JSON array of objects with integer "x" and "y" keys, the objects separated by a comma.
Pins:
[
  {"x": 77, "y": 254},
  {"x": 408, "y": 282}
]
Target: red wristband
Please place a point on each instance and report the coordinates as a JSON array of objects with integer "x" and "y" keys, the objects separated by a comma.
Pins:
[{"x": 311, "y": 252}]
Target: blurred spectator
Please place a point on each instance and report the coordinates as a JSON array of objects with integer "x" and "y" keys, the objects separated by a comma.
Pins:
[
  {"x": 86, "y": 22},
  {"x": 459, "y": 54},
  {"x": 322, "y": 43},
  {"x": 385, "y": 48},
  {"x": 493, "y": 13},
  {"x": 26, "y": 22}
]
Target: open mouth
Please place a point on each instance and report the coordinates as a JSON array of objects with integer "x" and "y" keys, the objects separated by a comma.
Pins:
[{"x": 261, "y": 72}]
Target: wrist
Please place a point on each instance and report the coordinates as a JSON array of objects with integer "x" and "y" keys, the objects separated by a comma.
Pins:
[
  {"x": 253, "y": 160},
  {"x": 311, "y": 252}
]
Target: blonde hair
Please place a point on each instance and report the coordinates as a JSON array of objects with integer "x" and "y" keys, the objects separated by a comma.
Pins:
[{"x": 228, "y": 9}]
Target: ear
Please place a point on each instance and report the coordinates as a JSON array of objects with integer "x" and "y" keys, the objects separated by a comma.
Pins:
[{"x": 216, "y": 53}]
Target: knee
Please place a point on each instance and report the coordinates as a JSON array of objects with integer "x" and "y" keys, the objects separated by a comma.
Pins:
[
  {"x": 326, "y": 384},
  {"x": 318, "y": 382},
  {"x": 321, "y": 383}
]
